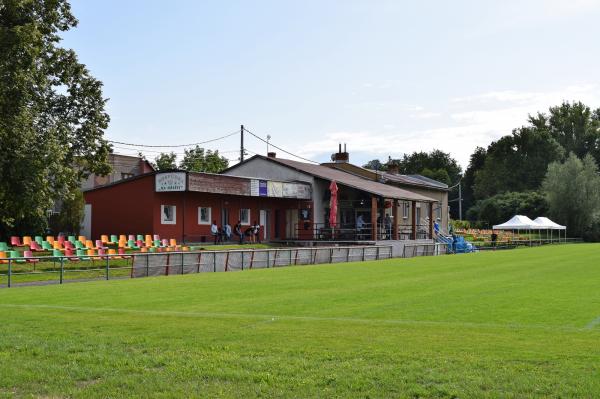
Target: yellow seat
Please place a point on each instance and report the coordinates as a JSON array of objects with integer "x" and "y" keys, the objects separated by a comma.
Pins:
[{"x": 148, "y": 237}]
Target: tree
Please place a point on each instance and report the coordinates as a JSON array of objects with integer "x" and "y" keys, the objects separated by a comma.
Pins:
[
  {"x": 501, "y": 207},
  {"x": 476, "y": 163},
  {"x": 517, "y": 162},
  {"x": 374, "y": 164},
  {"x": 165, "y": 161},
  {"x": 574, "y": 126},
  {"x": 416, "y": 162},
  {"x": 440, "y": 175},
  {"x": 71, "y": 214},
  {"x": 52, "y": 116},
  {"x": 197, "y": 160},
  {"x": 572, "y": 190}
]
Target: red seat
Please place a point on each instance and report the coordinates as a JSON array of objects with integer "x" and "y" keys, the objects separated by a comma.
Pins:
[
  {"x": 28, "y": 255},
  {"x": 35, "y": 246},
  {"x": 71, "y": 255},
  {"x": 15, "y": 241}
]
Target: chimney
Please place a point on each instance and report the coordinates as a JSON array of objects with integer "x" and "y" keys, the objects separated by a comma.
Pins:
[
  {"x": 393, "y": 169},
  {"x": 341, "y": 157},
  {"x": 271, "y": 154}
]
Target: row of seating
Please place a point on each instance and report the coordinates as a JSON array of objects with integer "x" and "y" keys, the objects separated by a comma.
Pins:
[{"x": 130, "y": 241}]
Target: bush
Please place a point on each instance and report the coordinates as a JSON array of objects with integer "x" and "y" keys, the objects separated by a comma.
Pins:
[{"x": 501, "y": 207}]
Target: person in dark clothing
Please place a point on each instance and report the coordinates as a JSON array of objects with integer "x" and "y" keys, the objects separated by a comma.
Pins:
[
  {"x": 494, "y": 238},
  {"x": 256, "y": 232},
  {"x": 238, "y": 231},
  {"x": 249, "y": 232}
]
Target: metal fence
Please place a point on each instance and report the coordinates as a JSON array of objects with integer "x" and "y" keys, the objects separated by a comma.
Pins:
[
  {"x": 424, "y": 249},
  {"x": 23, "y": 271}
]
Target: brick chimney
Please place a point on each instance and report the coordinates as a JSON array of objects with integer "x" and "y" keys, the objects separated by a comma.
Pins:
[
  {"x": 271, "y": 155},
  {"x": 341, "y": 157}
]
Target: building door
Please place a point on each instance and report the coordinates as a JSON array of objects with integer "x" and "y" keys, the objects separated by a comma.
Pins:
[
  {"x": 264, "y": 221},
  {"x": 278, "y": 223},
  {"x": 86, "y": 225},
  {"x": 291, "y": 223},
  {"x": 225, "y": 217}
]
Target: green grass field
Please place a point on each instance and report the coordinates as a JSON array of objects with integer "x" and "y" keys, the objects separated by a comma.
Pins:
[{"x": 520, "y": 323}]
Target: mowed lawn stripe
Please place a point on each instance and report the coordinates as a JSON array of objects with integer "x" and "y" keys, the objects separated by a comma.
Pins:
[{"x": 505, "y": 324}]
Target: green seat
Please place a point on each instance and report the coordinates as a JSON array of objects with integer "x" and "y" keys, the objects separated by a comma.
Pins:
[
  {"x": 156, "y": 243},
  {"x": 17, "y": 255},
  {"x": 152, "y": 249},
  {"x": 114, "y": 238},
  {"x": 57, "y": 253},
  {"x": 38, "y": 239},
  {"x": 79, "y": 245},
  {"x": 47, "y": 246},
  {"x": 72, "y": 239},
  {"x": 131, "y": 244},
  {"x": 3, "y": 246},
  {"x": 140, "y": 237},
  {"x": 82, "y": 254}
]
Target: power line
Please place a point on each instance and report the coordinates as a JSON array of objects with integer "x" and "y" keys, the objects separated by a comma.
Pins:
[
  {"x": 279, "y": 148},
  {"x": 174, "y": 146}
]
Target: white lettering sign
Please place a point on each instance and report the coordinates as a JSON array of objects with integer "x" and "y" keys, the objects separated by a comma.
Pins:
[{"x": 174, "y": 181}]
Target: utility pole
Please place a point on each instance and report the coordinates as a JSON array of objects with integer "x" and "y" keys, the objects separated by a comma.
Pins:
[
  {"x": 242, "y": 143},
  {"x": 460, "y": 201}
]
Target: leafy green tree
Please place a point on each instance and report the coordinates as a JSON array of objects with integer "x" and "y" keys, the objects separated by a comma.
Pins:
[
  {"x": 165, "y": 161},
  {"x": 198, "y": 160},
  {"x": 574, "y": 126},
  {"x": 417, "y": 162},
  {"x": 440, "y": 175},
  {"x": 572, "y": 190},
  {"x": 52, "y": 116},
  {"x": 501, "y": 207},
  {"x": 517, "y": 162},
  {"x": 476, "y": 163},
  {"x": 69, "y": 219},
  {"x": 375, "y": 164}
]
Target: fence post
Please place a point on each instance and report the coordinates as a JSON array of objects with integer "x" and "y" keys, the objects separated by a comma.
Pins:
[
  {"x": 363, "y": 255},
  {"x": 377, "y": 253},
  {"x": 268, "y": 258},
  {"x": 107, "y": 266},
  {"x": 182, "y": 263},
  {"x": 9, "y": 272},
  {"x": 214, "y": 262},
  {"x": 62, "y": 269},
  {"x": 147, "y": 265},
  {"x": 331, "y": 255}
]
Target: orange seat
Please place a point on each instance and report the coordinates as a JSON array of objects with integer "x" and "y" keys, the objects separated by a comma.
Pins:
[
  {"x": 81, "y": 239},
  {"x": 26, "y": 241},
  {"x": 173, "y": 242},
  {"x": 104, "y": 238},
  {"x": 50, "y": 239},
  {"x": 57, "y": 245},
  {"x": 148, "y": 237},
  {"x": 122, "y": 237},
  {"x": 3, "y": 257},
  {"x": 89, "y": 244}
]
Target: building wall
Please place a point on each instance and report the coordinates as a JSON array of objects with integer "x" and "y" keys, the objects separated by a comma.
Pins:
[
  {"x": 122, "y": 208},
  {"x": 123, "y": 166},
  {"x": 264, "y": 169}
]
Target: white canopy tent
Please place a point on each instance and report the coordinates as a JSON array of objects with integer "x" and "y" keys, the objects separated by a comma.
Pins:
[
  {"x": 549, "y": 225},
  {"x": 517, "y": 222}
]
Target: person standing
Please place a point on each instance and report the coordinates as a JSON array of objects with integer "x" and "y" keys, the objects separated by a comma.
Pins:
[
  {"x": 227, "y": 231},
  {"x": 238, "y": 231},
  {"x": 256, "y": 232},
  {"x": 214, "y": 230}
]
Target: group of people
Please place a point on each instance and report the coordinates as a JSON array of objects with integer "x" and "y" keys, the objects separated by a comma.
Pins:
[{"x": 225, "y": 233}]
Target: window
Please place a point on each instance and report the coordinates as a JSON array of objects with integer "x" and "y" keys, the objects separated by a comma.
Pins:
[
  {"x": 204, "y": 215},
  {"x": 405, "y": 208},
  {"x": 245, "y": 216},
  {"x": 438, "y": 212},
  {"x": 168, "y": 214},
  {"x": 126, "y": 175}
]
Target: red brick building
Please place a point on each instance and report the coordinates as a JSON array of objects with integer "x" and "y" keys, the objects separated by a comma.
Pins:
[{"x": 182, "y": 205}]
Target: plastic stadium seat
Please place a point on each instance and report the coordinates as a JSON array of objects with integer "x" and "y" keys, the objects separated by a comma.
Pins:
[
  {"x": 100, "y": 244},
  {"x": 69, "y": 245},
  {"x": 148, "y": 237},
  {"x": 89, "y": 244},
  {"x": 103, "y": 238},
  {"x": 38, "y": 239},
  {"x": 57, "y": 253},
  {"x": 131, "y": 237},
  {"x": 112, "y": 252},
  {"x": 122, "y": 244},
  {"x": 26, "y": 241},
  {"x": 122, "y": 237},
  {"x": 15, "y": 241},
  {"x": 143, "y": 249},
  {"x": 153, "y": 249},
  {"x": 131, "y": 245},
  {"x": 156, "y": 243},
  {"x": 47, "y": 246},
  {"x": 172, "y": 242},
  {"x": 81, "y": 238},
  {"x": 16, "y": 255},
  {"x": 139, "y": 243},
  {"x": 139, "y": 237},
  {"x": 156, "y": 237},
  {"x": 82, "y": 254},
  {"x": 72, "y": 239},
  {"x": 102, "y": 253},
  {"x": 91, "y": 253},
  {"x": 79, "y": 245},
  {"x": 122, "y": 254},
  {"x": 3, "y": 246},
  {"x": 61, "y": 239},
  {"x": 114, "y": 239},
  {"x": 35, "y": 246},
  {"x": 28, "y": 255},
  {"x": 71, "y": 255},
  {"x": 3, "y": 257},
  {"x": 50, "y": 239}
]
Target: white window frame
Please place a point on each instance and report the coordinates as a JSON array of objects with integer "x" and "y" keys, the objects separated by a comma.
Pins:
[
  {"x": 242, "y": 221},
  {"x": 405, "y": 209},
  {"x": 162, "y": 215},
  {"x": 204, "y": 222}
]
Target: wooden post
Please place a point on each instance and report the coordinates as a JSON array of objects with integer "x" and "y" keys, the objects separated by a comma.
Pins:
[
  {"x": 414, "y": 219},
  {"x": 395, "y": 217},
  {"x": 431, "y": 220},
  {"x": 373, "y": 217}
]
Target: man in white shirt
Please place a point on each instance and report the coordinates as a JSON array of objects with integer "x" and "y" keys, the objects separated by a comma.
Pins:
[
  {"x": 227, "y": 231},
  {"x": 214, "y": 230}
]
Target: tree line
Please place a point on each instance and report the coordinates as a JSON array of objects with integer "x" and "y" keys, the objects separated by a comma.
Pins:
[{"x": 526, "y": 171}]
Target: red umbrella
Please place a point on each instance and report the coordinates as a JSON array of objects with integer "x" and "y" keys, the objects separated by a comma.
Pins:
[{"x": 333, "y": 204}]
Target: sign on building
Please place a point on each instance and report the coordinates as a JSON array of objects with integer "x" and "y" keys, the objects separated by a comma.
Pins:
[{"x": 174, "y": 181}]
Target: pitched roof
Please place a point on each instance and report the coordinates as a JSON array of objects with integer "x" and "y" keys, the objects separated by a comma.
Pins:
[{"x": 347, "y": 179}]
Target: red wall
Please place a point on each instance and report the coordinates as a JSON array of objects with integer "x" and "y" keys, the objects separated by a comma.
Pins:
[
  {"x": 133, "y": 207},
  {"x": 122, "y": 208}
]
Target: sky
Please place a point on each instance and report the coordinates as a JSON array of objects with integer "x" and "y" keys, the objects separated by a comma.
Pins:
[{"x": 384, "y": 77}]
